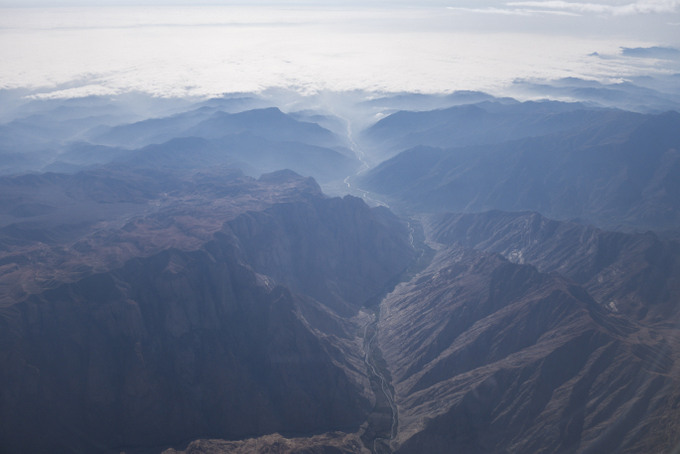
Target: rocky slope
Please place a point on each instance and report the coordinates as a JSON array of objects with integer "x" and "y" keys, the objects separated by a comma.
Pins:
[
  {"x": 490, "y": 356},
  {"x": 332, "y": 443},
  {"x": 508, "y": 342},
  {"x": 634, "y": 274},
  {"x": 59, "y": 227},
  {"x": 188, "y": 342}
]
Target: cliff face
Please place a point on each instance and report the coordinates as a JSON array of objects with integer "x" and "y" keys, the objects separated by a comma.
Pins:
[
  {"x": 170, "y": 347},
  {"x": 487, "y": 355},
  {"x": 202, "y": 343},
  {"x": 338, "y": 251}
]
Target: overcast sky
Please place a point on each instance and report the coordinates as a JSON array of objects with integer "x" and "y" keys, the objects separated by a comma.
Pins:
[
  {"x": 430, "y": 46},
  {"x": 572, "y": 6}
]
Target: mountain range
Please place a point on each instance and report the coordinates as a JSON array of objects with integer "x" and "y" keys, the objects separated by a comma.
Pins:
[
  {"x": 608, "y": 168},
  {"x": 394, "y": 273}
]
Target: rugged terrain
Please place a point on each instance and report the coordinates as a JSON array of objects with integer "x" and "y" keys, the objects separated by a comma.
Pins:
[
  {"x": 165, "y": 287},
  {"x": 488, "y": 355},
  {"x": 227, "y": 336}
]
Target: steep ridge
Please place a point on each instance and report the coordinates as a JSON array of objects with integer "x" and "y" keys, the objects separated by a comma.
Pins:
[
  {"x": 200, "y": 342},
  {"x": 490, "y": 356},
  {"x": 636, "y": 274}
]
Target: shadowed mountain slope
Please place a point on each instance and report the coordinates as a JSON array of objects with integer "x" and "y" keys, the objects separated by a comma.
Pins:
[
  {"x": 610, "y": 174},
  {"x": 197, "y": 340}
]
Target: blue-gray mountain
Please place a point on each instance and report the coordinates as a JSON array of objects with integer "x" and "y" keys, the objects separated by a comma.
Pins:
[
  {"x": 611, "y": 168},
  {"x": 255, "y": 141}
]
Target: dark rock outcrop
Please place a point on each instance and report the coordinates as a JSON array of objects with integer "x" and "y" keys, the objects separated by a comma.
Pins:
[{"x": 331, "y": 443}]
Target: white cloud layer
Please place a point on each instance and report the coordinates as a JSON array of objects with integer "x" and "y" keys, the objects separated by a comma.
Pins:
[
  {"x": 616, "y": 9},
  {"x": 512, "y": 11},
  {"x": 171, "y": 51}
]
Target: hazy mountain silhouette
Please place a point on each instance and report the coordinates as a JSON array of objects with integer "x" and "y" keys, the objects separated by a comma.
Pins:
[
  {"x": 483, "y": 123},
  {"x": 621, "y": 170}
]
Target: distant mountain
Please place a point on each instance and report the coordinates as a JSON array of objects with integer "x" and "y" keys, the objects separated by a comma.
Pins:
[
  {"x": 209, "y": 123},
  {"x": 39, "y": 130},
  {"x": 623, "y": 171},
  {"x": 390, "y": 103},
  {"x": 251, "y": 154},
  {"x": 149, "y": 131},
  {"x": 271, "y": 124},
  {"x": 157, "y": 128},
  {"x": 488, "y": 122},
  {"x": 646, "y": 94},
  {"x": 255, "y": 141}
]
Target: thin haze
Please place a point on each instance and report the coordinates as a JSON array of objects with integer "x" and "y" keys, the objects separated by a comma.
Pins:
[{"x": 63, "y": 49}]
